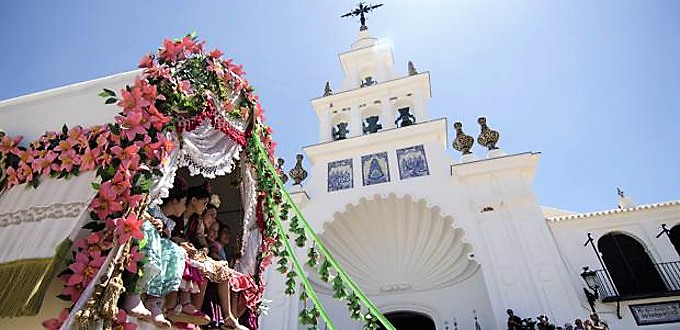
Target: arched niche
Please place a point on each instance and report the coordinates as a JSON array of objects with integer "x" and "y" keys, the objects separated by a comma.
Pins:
[
  {"x": 340, "y": 122},
  {"x": 629, "y": 265},
  {"x": 367, "y": 76},
  {"x": 371, "y": 120},
  {"x": 402, "y": 106},
  {"x": 674, "y": 236},
  {"x": 409, "y": 320}
]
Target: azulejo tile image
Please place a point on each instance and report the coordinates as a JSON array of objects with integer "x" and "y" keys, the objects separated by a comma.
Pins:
[
  {"x": 340, "y": 175},
  {"x": 412, "y": 162},
  {"x": 375, "y": 168}
]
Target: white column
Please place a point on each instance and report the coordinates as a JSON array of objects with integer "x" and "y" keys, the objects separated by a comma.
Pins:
[
  {"x": 420, "y": 107},
  {"x": 387, "y": 113},
  {"x": 325, "y": 127},
  {"x": 522, "y": 266},
  {"x": 355, "y": 121}
]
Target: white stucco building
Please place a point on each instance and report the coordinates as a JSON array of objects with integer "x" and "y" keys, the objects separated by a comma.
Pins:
[
  {"x": 433, "y": 239},
  {"x": 429, "y": 238}
]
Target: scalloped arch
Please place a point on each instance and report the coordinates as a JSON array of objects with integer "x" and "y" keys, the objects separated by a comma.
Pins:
[{"x": 393, "y": 244}]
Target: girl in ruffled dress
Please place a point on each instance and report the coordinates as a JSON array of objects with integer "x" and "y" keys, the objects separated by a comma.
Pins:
[{"x": 163, "y": 272}]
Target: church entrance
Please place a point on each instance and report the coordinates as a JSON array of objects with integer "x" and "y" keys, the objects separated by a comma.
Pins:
[{"x": 407, "y": 320}]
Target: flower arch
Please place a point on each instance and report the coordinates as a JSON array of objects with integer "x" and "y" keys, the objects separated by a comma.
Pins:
[{"x": 182, "y": 91}]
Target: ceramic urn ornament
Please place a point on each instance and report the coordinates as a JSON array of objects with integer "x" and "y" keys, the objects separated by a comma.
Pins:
[
  {"x": 298, "y": 174},
  {"x": 487, "y": 137},
  {"x": 462, "y": 142}
]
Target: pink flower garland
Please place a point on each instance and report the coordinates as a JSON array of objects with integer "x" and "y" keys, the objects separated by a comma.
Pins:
[{"x": 124, "y": 153}]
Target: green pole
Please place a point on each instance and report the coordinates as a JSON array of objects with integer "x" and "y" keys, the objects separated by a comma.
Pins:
[{"x": 301, "y": 274}]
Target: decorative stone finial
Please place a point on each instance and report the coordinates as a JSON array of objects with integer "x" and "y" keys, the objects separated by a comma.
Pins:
[
  {"x": 624, "y": 202},
  {"x": 281, "y": 170},
  {"x": 327, "y": 89},
  {"x": 298, "y": 174},
  {"x": 462, "y": 142},
  {"x": 412, "y": 69},
  {"x": 487, "y": 137}
]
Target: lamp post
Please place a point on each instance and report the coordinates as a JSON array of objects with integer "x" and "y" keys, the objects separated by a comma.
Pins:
[{"x": 590, "y": 277}]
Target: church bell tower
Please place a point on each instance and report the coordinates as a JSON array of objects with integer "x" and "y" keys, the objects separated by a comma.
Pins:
[{"x": 374, "y": 96}]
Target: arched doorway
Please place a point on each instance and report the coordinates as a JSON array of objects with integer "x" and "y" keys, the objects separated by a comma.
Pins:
[
  {"x": 408, "y": 320},
  {"x": 675, "y": 237},
  {"x": 629, "y": 265}
]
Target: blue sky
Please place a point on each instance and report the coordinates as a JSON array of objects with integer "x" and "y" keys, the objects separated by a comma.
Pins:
[{"x": 593, "y": 85}]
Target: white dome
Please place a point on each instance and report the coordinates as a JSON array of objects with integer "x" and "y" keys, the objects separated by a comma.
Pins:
[{"x": 392, "y": 244}]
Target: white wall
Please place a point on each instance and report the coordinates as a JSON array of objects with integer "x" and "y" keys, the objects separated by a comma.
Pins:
[{"x": 643, "y": 223}]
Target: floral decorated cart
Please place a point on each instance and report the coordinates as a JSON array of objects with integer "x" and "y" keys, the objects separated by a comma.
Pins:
[{"x": 187, "y": 108}]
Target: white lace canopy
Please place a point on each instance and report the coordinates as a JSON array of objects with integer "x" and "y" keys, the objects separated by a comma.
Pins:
[{"x": 208, "y": 151}]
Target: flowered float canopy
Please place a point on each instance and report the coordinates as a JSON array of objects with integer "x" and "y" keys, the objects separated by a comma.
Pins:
[{"x": 187, "y": 108}]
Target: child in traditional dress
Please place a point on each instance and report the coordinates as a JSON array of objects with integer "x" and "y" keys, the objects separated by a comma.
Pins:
[
  {"x": 188, "y": 233},
  {"x": 163, "y": 271},
  {"x": 167, "y": 282}
]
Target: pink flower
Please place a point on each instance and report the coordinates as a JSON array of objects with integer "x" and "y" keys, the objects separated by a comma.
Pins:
[
  {"x": 65, "y": 145},
  {"x": 120, "y": 184},
  {"x": 128, "y": 227},
  {"x": 43, "y": 165},
  {"x": 132, "y": 124},
  {"x": 12, "y": 177},
  {"x": 85, "y": 268},
  {"x": 88, "y": 161},
  {"x": 133, "y": 259},
  {"x": 103, "y": 139},
  {"x": 55, "y": 324},
  {"x": 236, "y": 69},
  {"x": 68, "y": 160},
  {"x": 159, "y": 72},
  {"x": 25, "y": 173},
  {"x": 216, "y": 53},
  {"x": 132, "y": 99},
  {"x": 146, "y": 61},
  {"x": 26, "y": 157},
  {"x": 10, "y": 144},
  {"x": 77, "y": 135},
  {"x": 192, "y": 46},
  {"x": 106, "y": 202},
  {"x": 155, "y": 118},
  {"x": 73, "y": 291},
  {"x": 93, "y": 243},
  {"x": 149, "y": 92},
  {"x": 128, "y": 157},
  {"x": 172, "y": 50}
]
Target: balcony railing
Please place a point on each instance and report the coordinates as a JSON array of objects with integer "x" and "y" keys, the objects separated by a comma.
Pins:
[{"x": 668, "y": 271}]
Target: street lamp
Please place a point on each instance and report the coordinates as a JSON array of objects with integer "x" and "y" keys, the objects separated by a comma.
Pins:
[{"x": 590, "y": 277}]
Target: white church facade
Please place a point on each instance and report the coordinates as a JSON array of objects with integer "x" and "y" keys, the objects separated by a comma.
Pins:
[
  {"x": 441, "y": 243},
  {"x": 438, "y": 242}
]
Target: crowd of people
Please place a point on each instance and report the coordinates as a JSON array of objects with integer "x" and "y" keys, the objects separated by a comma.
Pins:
[
  {"x": 188, "y": 281},
  {"x": 542, "y": 322}
]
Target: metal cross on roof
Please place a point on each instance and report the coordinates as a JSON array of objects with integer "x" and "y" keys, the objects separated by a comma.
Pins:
[{"x": 362, "y": 9}]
